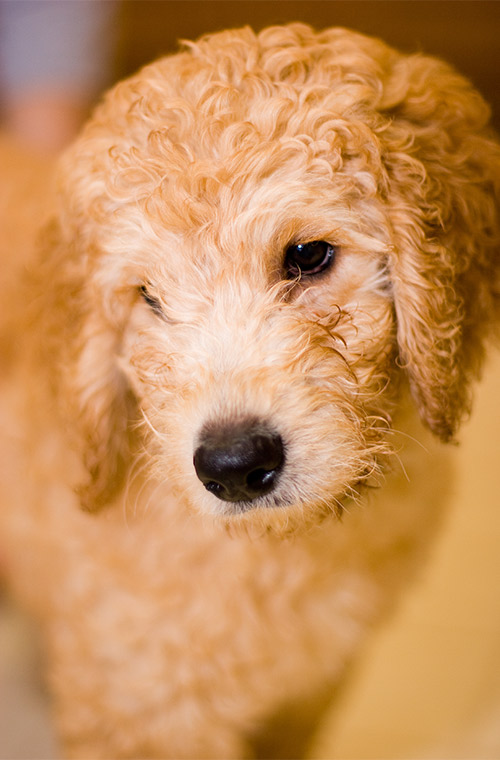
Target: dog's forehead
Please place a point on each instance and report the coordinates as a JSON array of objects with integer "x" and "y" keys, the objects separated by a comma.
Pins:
[
  {"x": 236, "y": 89},
  {"x": 231, "y": 167},
  {"x": 189, "y": 119},
  {"x": 270, "y": 79},
  {"x": 237, "y": 137}
]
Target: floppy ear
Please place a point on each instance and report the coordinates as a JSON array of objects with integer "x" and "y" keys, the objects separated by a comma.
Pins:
[
  {"x": 444, "y": 199},
  {"x": 81, "y": 346}
]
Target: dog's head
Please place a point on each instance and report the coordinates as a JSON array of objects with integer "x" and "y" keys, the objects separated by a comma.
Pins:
[{"x": 258, "y": 238}]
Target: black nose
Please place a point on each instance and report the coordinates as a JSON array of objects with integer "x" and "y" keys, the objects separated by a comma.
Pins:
[{"x": 239, "y": 462}]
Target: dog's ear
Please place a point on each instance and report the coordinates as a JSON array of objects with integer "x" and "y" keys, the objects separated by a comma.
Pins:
[
  {"x": 444, "y": 196},
  {"x": 80, "y": 347}
]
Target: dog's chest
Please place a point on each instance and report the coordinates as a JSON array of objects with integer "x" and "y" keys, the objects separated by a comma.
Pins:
[
  {"x": 199, "y": 604},
  {"x": 192, "y": 605}
]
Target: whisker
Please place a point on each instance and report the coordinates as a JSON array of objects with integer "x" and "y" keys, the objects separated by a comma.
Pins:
[{"x": 150, "y": 425}]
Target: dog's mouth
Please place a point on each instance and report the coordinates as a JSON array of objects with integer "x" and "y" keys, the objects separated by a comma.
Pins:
[
  {"x": 291, "y": 513},
  {"x": 238, "y": 508}
]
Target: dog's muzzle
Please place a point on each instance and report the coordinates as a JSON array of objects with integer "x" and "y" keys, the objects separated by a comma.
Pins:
[{"x": 239, "y": 462}]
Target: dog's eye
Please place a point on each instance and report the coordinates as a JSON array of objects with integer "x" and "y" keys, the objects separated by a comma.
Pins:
[
  {"x": 151, "y": 301},
  {"x": 309, "y": 258}
]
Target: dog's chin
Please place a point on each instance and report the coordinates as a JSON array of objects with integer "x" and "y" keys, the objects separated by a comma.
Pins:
[{"x": 276, "y": 515}]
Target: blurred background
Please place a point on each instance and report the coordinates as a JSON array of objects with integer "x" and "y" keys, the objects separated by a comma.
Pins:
[
  {"x": 56, "y": 56},
  {"x": 429, "y": 684}
]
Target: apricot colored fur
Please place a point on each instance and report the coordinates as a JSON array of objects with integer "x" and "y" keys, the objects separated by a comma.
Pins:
[{"x": 177, "y": 625}]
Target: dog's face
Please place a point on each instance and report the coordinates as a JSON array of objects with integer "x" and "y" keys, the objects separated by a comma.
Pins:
[
  {"x": 260, "y": 235},
  {"x": 261, "y": 340}
]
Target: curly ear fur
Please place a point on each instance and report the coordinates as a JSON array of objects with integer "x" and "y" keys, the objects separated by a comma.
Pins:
[
  {"x": 443, "y": 195},
  {"x": 81, "y": 346}
]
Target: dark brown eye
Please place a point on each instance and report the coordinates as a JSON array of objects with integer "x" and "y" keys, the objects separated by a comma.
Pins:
[
  {"x": 151, "y": 301},
  {"x": 309, "y": 258}
]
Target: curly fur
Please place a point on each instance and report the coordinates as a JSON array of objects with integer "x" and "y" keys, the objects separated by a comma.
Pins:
[{"x": 177, "y": 624}]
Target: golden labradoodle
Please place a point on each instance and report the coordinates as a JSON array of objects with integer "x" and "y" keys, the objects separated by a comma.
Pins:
[{"x": 260, "y": 296}]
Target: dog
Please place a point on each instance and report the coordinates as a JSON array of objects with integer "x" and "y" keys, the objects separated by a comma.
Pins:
[{"x": 263, "y": 288}]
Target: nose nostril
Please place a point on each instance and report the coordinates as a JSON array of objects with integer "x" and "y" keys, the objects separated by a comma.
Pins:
[
  {"x": 239, "y": 462},
  {"x": 260, "y": 478},
  {"x": 213, "y": 487}
]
